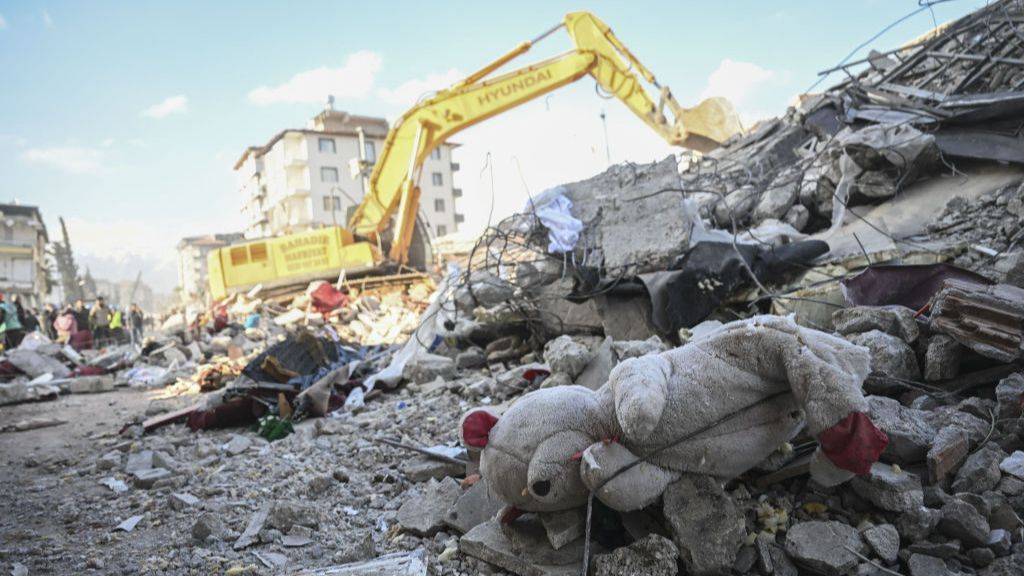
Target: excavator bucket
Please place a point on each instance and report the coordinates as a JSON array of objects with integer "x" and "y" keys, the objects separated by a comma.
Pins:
[{"x": 707, "y": 125}]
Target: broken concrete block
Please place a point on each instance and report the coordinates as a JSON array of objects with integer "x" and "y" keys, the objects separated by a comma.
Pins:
[
  {"x": 237, "y": 444},
  {"x": 890, "y": 355},
  {"x": 922, "y": 565},
  {"x": 563, "y": 354},
  {"x": 962, "y": 521},
  {"x": 425, "y": 368},
  {"x": 942, "y": 358},
  {"x": 626, "y": 317},
  {"x": 824, "y": 547},
  {"x": 1010, "y": 396},
  {"x": 564, "y": 527},
  {"x": 776, "y": 202},
  {"x": 182, "y": 501},
  {"x": 35, "y": 364},
  {"x": 162, "y": 459},
  {"x": 917, "y": 525},
  {"x": 910, "y": 431},
  {"x": 475, "y": 506},
  {"x": 947, "y": 454},
  {"x": 651, "y": 556},
  {"x": 473, "y": 357},
  {"x": 522, "y": 548},
  {"x": 980, "y": 472},
  {"x": 253, "y": 528},
  {"x": 884, "y": 540},
  {"x": 600, "y": 366},
  {"x": 91, "y": 384},
  {"x": 797, "y": 216},
  {"x": 893, "y": 320},
  {"x": 284, "y": 514},
  {"x": 1013, "y": 464},
  {"x": 735, "y": 207},
  {"x": 137, "y": 461},
  {"x": 147, "y": 478},
  {"x": 208, "y": 525},
  {"x": 424, "y": 513},
  {"x": 109, "y": 461},
  {"x": 707, "y": 527},
  {"x": 423, "y": 468},
  {"x": 889, "y": 489}
]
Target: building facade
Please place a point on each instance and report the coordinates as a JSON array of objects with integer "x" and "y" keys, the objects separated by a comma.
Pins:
[
  {"x": 23, "y": 240},
  {"x": 301, "y": 179},
  {"x": 192, "y": 270}
]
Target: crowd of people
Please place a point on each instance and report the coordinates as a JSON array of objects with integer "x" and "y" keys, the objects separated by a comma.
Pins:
[{"x": 79, "y": 325}]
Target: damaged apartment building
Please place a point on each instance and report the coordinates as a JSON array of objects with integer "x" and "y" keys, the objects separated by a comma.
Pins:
[
  {"x": 808, "y": 362},
  {"x": 302, "y": 179}
]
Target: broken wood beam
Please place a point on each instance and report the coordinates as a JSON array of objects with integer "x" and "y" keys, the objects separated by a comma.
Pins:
[{"x": 986, "y": 319}]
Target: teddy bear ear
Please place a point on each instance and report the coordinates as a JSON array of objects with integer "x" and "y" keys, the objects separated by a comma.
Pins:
[{"x": 476, "y": 428}]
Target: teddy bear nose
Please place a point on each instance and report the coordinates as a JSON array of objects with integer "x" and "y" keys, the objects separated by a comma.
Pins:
[{"x": 541, "y": 488}]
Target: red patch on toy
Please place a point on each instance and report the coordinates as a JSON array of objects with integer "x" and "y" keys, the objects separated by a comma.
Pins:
[
  {"x": 854, "y": 444},
  {"x": 476, "y": 428}
]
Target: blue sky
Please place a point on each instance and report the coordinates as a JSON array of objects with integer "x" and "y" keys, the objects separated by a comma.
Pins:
[{"x": 126, "y": 117}]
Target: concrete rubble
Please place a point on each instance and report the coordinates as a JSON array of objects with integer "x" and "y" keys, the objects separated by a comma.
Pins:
[{"x": 275, "y": 435}]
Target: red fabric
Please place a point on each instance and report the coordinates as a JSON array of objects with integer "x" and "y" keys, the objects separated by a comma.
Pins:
[
  {"x": 854, "y": 444},
  {"x": 477, "y": 427},
  {"x": 81, "y": 340},
  {"x": 511, "y": 514},
  {"x": 220, "y": 319},
  {"x": 8, "y": 369},
  {"x": 90, "y": 371},
  {"x": 327, "y": 298}
]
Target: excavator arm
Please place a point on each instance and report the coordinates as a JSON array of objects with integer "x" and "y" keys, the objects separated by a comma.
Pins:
[{"x": 480, "y": 96}]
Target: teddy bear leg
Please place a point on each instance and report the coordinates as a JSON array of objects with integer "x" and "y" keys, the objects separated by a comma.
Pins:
[{"x": 620, "y": 480}]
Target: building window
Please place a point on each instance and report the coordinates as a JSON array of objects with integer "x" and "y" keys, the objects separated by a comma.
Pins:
[
  {"x": 328, "y": 174},
  {"x": 442, "y": 230},
  {"x": 327, "y": 145},
  {"x": 439, "y": 205},
  {"x": 332, "y": 203},
  {"x": 436, "y": 153},
  {"x": 437, "y": 178},
  {"x": 239, "y": 256},
  {"x": 370, "y": 149},
  {"x": 258, "y": 252}
]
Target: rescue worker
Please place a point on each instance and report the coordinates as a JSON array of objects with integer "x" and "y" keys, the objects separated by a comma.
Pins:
[
  {"x": 10, "y": 324},
  {"x": 116, "y": 324},
  {"x": 135, "y": 323},
  {"x": 47, "y": 317},
  {"x": 99, "y": 322}
]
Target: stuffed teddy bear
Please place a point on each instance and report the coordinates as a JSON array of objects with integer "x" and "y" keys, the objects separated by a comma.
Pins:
[{"x": 717, "y": 406}]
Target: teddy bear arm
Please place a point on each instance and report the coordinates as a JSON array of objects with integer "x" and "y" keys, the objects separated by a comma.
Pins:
[{"x": 641, "y": 391}]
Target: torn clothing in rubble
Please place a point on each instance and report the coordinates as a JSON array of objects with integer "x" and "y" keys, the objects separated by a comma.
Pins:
[
  {"x": 701, "y": 279},
  {"x": 553, "y": 209}
]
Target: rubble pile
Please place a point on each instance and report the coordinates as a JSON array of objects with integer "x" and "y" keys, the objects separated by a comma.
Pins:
[{"x": 345, "y": 432}]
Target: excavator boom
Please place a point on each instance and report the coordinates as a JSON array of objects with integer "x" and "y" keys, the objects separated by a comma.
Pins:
[{"x": 480, "y": 96}]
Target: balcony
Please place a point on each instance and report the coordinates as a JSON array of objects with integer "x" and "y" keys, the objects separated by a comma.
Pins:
[
  {"x": 456, "y": 192},
  {"x": 455, "y": 166},
  {"x": 460, "y": 218}
]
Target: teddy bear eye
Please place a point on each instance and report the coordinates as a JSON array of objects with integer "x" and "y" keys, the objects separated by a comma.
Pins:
[{"x": 541, "y": 488}]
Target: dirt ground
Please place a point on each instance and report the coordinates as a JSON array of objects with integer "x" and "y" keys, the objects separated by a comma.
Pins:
[{"x": 49, "y": 507}]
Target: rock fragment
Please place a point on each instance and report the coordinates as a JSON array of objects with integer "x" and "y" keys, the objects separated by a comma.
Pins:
[
  {"x": 424, "y": 512},
  {"x": 824, "y": 547}
]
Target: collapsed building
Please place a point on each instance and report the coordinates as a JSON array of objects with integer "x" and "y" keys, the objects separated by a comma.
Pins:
[{"x": 886, "y": 212}]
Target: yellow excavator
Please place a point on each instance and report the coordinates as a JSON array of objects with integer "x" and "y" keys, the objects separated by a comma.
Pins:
[{"x": 392, "y": 187}]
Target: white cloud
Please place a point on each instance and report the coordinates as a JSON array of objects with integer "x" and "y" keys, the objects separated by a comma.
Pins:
[
  {"x": 171, "y": 105},
  {"x": 736, "y": 81},
  {"x": 408, "y": 93},
  {"x": 3, "y": 23},
  {"x": 47, "y": 21},
  {"x": 107, "y": 142},
  {"x": 70, "y": 159},
  {"x": 354, "y": 79}
]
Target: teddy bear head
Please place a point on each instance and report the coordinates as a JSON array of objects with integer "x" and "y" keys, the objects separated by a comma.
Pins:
[{"x": 530, "y": 454}]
